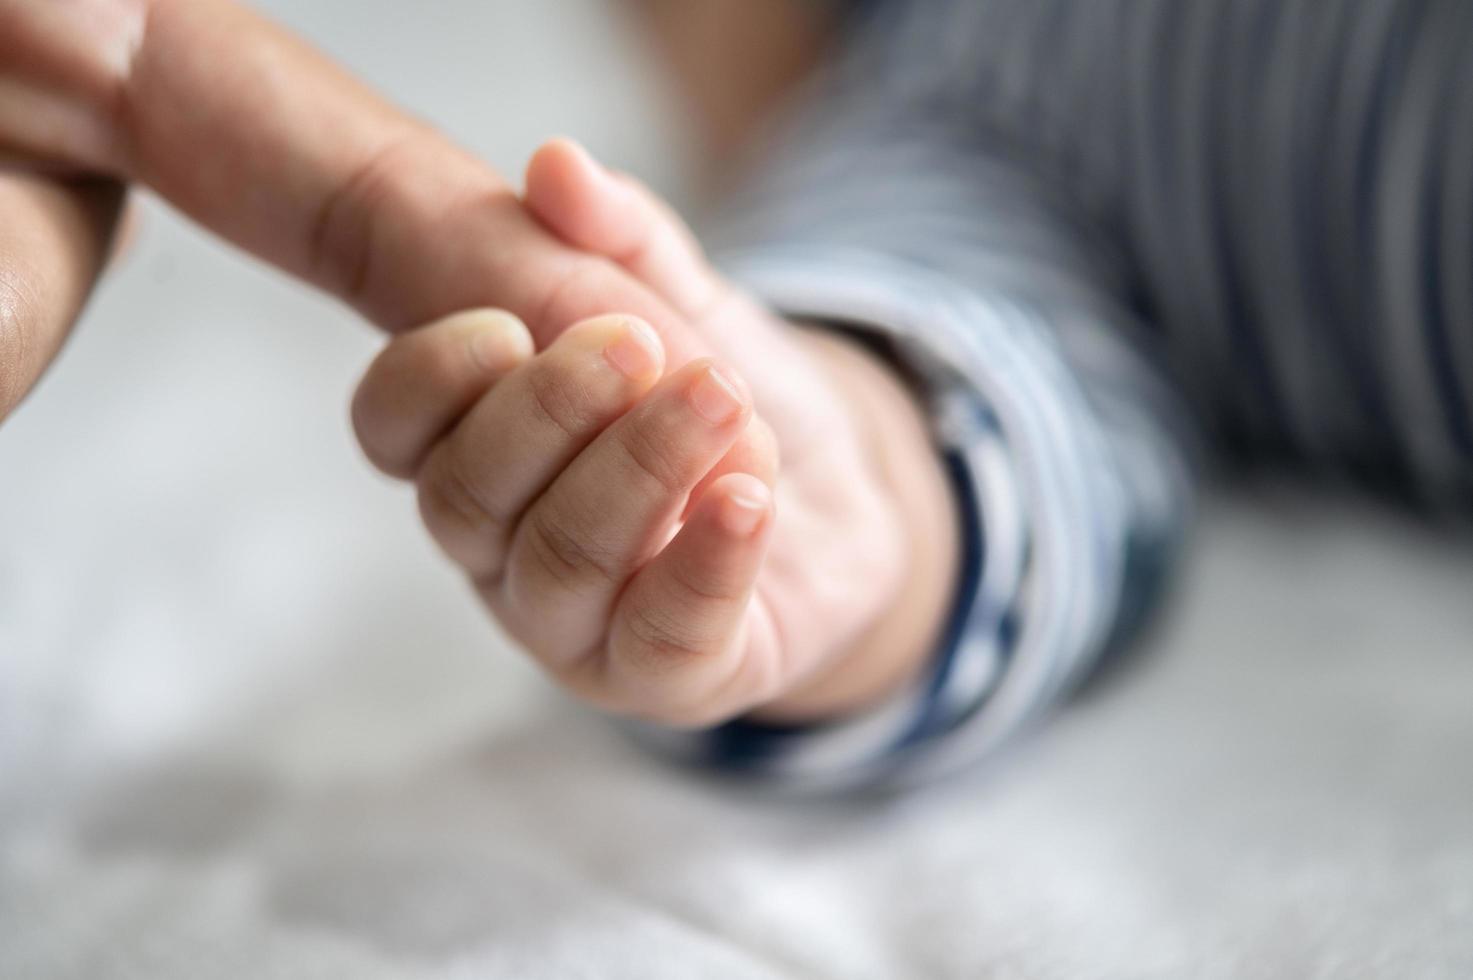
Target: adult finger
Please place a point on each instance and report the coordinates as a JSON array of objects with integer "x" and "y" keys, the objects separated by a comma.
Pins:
[
  {"x": 54, "y": 241},
  {"x": 268, "y": 143}
]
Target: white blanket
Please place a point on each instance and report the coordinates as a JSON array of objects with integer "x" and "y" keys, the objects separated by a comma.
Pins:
[{"x": 251, "y": 726}]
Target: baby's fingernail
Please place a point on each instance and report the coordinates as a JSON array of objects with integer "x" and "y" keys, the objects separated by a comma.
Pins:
[
  {"x": 742, "y": 512},
  {"x": 715, "y": 396},
  {"x": 498, "y": 350},
  {"x": 635, "y": 353}
]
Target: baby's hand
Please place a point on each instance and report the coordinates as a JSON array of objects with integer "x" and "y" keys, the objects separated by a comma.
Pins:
[
  {"x": 625, "y": 518},
  {"x": 558, "y": 490}
]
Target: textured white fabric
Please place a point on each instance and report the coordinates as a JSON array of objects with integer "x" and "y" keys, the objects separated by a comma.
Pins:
[
  {"x": 250, "y": 726},
  {"x": 1280, "y": 789}
]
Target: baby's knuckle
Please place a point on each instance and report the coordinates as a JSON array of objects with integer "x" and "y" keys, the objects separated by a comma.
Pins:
[
  {"x": 701, "y": 587},
  {"x": 564, "y": 558},
  {"x": 558, "y": 400},
  {"x": 447, "y": 493},
  {"x": 654, "y": 457},
  {"x": 661, "y": 640}
]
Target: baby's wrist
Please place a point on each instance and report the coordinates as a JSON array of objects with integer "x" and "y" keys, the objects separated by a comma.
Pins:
[{"x": 899, "y": 642}]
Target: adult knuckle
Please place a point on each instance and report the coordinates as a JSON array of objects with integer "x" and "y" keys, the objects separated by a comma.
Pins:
[{"x": 341, "y": 236}]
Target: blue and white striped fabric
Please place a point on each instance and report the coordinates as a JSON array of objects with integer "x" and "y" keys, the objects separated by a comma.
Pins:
[{"x": 1093, "y": 227}]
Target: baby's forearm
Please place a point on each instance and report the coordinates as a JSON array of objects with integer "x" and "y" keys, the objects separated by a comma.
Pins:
[{"x": 903, "y": 636}]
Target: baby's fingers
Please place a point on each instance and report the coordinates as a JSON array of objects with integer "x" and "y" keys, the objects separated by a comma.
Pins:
[
  {"x": 425, "y": 380},
  {"x": 612, "y": 509},
  {"x": 689, "y": 644},
  {"x": 477, "y": 482}
]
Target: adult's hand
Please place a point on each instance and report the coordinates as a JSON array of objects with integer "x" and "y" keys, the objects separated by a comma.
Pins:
[
  {"x": 266, "y": 143},
  {"x": 54, "y": 236}
]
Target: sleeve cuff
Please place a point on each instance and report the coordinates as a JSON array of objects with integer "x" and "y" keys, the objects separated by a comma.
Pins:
[{"x": 1044, "y": 517}]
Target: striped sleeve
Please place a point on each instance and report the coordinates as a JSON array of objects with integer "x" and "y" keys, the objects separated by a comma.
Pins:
[{"x": 1060, "y": 438}]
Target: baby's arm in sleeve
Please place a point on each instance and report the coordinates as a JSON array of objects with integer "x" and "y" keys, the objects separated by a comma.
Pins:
[{"x": 1006, "y": 308}]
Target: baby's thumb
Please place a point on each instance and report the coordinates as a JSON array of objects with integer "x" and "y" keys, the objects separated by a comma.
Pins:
[{"x": 613, "y": 215}]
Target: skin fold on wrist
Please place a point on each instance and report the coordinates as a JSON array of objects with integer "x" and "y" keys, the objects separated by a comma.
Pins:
[{"x": 901, "y": 640}]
